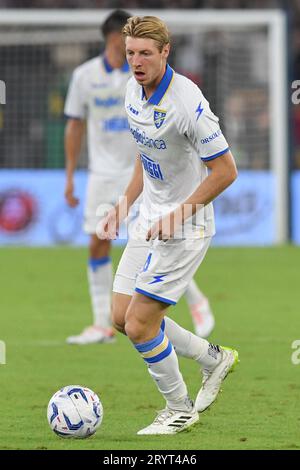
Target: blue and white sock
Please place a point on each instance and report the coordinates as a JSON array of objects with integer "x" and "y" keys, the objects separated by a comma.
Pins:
[
  {"x": 163, "y": 367},
  {"x": 188, "y": 345},
  {"x": 100, "y": 285}
]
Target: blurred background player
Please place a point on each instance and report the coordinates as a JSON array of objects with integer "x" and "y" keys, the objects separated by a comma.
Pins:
[{"x": 96, "y": 94}]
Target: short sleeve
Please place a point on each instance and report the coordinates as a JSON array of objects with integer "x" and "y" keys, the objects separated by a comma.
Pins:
[
  {"x": 75, "y": 105},
  {"x": 202, "y": 126}
]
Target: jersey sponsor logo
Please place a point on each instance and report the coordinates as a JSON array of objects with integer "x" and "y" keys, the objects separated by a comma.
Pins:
[
  {"x": 141, "y": 138},
  {"x": 159, "y": 117},
  {"x": 109, "y": 102},
  {"x": 199, "y": 110},
  {"x": 151, "y": 167},
  {"x": 115, "y": 124},
  {"x": 132, "y": 109},
  {"x": 211, "y": 137}
]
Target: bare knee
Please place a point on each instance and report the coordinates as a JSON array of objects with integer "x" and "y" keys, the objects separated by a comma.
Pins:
[
  {"x": 119, "y": 306},
  {"x": 118, "y": 324},
  {"x": 98, "y": 248},
  {"x": 118, "y": 319},
  {"x": 136, "y": 329},
  {"x": 143, "y": 319}
]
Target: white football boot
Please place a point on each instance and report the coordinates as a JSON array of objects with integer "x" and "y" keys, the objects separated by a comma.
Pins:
[
  {"x": 92, "y": 334},
  {"x": 171, "y": 422},
  {"x": 203, "y": 318},
  {"x": 212, "y": 379}
]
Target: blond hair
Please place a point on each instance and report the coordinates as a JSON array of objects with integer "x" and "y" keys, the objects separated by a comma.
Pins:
[{"x": 148, "y": 27}]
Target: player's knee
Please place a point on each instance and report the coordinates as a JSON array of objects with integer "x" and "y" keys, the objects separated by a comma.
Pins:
[
  {"x": 120, "y": 305},
  {"x": 120, "y": 328},
  {"x": 118, "y": 319},
  {"x": 135, "y": 329},
  {"x": 98, "y": 248}
]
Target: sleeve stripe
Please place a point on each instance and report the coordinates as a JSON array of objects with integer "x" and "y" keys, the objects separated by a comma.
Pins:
[
  {"x": 212, "y": 157},
  {"x": 68, "y": 116}
]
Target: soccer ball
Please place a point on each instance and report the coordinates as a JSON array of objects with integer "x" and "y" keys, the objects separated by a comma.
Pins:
[{"x": 74, "y": 411}]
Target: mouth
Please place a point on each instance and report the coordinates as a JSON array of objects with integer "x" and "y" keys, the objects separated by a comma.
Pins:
[{"x": 139, "y": 75}]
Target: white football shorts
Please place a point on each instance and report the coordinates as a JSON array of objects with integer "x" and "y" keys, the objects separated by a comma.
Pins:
[
  {"x": 101, "y": 191},
  {"x": 160, "y": 270}
]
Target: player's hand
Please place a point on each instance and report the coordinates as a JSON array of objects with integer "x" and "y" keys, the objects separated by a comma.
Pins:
[
  {"x": 164, "y": 228},
  {"x": 108, "y": 227},
  {"x": 72, "y": 201}
]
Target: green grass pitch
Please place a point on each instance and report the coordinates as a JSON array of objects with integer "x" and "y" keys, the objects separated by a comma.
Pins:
[{"x": 255, "y": 294}]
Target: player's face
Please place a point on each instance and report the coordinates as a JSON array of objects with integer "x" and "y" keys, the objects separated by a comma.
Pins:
[
  {"x": 115, "y": 49},
  {"x": 146, "y": 61}
]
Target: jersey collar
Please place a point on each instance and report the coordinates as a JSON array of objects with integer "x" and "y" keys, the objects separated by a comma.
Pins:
[
  {"x": 109, "y": 69},
  {"x": 162, "y": 88}
]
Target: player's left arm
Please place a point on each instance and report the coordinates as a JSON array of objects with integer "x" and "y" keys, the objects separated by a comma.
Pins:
[
  {"x": 203, "y": 130},
  {"x": 223, "y": 173},
  {"x": 201, "y": 127}
]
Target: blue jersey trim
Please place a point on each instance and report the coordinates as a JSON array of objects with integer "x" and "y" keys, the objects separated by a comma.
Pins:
[
  {"x": 125, "y": 67},
  {"x": 162, "y": 87},
  {"x": 216, "y": 155},
  {"x": 155, "y": 297},
  {"x": 109, "y": 68}
]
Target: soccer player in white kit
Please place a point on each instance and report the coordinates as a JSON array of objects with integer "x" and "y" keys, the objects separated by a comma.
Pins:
[
  {"x": 173, "y": 125},
  {"x": 96, "y": 94}
]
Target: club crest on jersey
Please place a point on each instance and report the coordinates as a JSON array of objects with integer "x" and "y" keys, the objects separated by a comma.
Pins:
[{"x": 159, "y": 117}]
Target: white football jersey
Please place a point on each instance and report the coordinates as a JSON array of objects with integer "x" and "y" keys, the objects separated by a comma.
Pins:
[
  {"x": 96, "y": 93},
  {"x": 176, "y": 132}
]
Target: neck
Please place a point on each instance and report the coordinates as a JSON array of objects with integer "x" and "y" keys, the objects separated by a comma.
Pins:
[
  {"x": 116, "y": 62},
  {"x": 150, "y": 89}
]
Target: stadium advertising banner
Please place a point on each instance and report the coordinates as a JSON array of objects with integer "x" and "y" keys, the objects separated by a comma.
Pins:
[
  {"x": 245, "y": 212},
  {"x": 33, "y": 210}
]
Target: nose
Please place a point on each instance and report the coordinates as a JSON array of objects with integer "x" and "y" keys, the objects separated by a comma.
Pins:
[{"x": 136, "y": 60}]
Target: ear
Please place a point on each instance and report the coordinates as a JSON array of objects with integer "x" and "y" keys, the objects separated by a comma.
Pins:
[{"x": 166, "y": 51}]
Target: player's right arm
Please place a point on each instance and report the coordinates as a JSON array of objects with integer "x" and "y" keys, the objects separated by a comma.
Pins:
[
  {"x": 75, "y": 111},
  {"x": 109, "y": 226},
  {"x": 134, "y": 188},
  {"x": 74, "y": 132}
]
